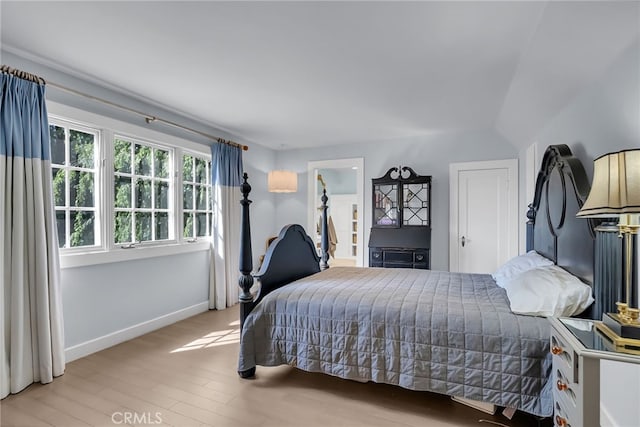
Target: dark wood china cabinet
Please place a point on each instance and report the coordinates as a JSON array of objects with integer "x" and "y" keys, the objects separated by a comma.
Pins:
[{"x": 401, "y": 225}]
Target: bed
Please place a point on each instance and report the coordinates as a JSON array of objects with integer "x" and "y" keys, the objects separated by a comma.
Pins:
[{"x": 449, "y": 333}]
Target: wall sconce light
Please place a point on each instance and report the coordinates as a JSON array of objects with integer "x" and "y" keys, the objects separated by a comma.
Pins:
[{"x": 282, "y": 181}]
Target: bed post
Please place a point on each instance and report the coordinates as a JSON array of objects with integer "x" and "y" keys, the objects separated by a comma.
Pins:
[
  {"x": 531, "y": 222},
  {"x": 246, "y": 257},
  {"x": 324, "y": 242}
]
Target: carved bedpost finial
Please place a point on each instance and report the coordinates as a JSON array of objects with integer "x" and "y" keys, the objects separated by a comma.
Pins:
[
  {"x": 246, "y": 257},
  {"x": 324, "y": 242},
  {"x": 531, "y": 214}
]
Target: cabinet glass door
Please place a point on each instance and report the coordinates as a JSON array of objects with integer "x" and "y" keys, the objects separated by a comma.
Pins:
[
  {"x": 385, "y": 205},
  {"x": 415, "y": 204}
]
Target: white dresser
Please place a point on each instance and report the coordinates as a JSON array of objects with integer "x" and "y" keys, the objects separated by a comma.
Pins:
[{"x": 577, "y": 349}]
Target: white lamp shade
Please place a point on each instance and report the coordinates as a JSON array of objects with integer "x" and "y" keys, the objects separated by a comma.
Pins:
[
  {"x": 615, "y": 189},
  {"x": 282, "y": 181}
]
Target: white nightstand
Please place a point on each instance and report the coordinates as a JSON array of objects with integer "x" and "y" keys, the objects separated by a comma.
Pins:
[{"x": 577, "y": 349}]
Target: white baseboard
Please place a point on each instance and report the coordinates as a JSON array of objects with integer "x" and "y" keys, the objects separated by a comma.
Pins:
[
  {"x": 606, "y": 420},
  {"x": 109, "y": 340}
]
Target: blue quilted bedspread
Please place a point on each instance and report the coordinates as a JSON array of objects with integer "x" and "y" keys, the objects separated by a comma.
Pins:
[{"x": 450, "y": 333}]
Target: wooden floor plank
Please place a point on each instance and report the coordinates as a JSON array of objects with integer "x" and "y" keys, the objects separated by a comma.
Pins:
[{"x": 12, "y": 416}]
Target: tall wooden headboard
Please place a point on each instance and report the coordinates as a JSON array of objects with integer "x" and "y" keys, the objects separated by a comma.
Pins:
[{"x": 553, "y": 230}]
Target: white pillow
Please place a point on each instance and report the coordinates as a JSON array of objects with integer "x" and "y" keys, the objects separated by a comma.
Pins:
[
  {"x": 517, "y": 265},
  {"x": 548, "y": 291}
]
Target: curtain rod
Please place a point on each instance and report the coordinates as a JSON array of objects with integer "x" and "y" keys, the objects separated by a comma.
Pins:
[
  {"x": 147, "y": 117},
  {"x": 22, "y": 74}
]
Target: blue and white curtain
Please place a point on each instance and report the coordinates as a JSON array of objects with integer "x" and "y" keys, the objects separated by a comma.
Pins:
[
  {"x": 226, "y": 177},
  {"x": 31, "y": 327}
]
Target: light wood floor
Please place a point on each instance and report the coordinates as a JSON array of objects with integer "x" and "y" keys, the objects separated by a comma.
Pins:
[{"x": 185, "y": 375}]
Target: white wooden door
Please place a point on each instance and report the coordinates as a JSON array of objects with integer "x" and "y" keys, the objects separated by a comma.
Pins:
[{"x": 483, "y": 228}]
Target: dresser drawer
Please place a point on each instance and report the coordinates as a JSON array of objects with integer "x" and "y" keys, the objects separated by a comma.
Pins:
[
  {"x": 397, "y": 265},
  {"x": 398, "y": 256},
  {"x": 567, "y": 394},
  {"x": 561, "y": 418},
  {"x": 564, "y": 358}
]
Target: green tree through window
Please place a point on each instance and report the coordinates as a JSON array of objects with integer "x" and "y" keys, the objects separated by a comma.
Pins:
[
  {"x": 73, "y": 158},
  {"x": 142, "y": 192},
  {"x": 196, "y": 196}
]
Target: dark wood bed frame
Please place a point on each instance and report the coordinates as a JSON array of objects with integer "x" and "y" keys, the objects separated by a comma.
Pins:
[{"x": 553, "y": 230}]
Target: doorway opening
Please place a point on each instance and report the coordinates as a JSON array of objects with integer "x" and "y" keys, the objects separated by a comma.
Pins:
[{"x": 343, "y": 179}]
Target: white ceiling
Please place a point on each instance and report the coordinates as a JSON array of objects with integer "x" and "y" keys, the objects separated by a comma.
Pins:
[{"x": 301, "y": 74}]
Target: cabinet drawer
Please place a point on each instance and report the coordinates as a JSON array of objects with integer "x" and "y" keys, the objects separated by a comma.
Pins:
[
  {"x": 397, "y": 265},
  {"x": 564, "y": 357},
  {"x": 561, "y": 418},
  {"x": 376, "y": 256},
  {"x": 421, "y": 257},
  {"x": 398, "y": 256},
  {"x": 566, "y": 393}
]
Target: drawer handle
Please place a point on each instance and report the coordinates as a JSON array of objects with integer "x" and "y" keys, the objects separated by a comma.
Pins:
[
  {"x": 561, "y": 386},
  {"x": 419, "y": 257},
  {"x": 556, "y": 350},
  {"x": 561, "y": 422},
  {"x": 376, "y": 255}
]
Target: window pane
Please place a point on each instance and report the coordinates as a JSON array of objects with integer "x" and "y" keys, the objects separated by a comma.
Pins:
[
  {"x": 143, "y": 226},
  {"x": 58, "y": 187},
  {"x": 201, "y": 171},
  {"x": 201, "y": 224},
  {"x": 60, "y": 221},
  {"x": 122, "y": 191},
  {"x": 143, "y": 193},
  {"x": 57, "y": 136},
  {"x": 82, "y": 229},
  {"x": 162, "y": 226},
  {"x": 143, "y": 160},
  {"x": 162, "y": 195},
  {"x": 81, "y": 189},
  {"x": 122, "y": 156},
  {"x": 188, "y": 225},
  {"x": 201, "y": 201},
  {"x": 81, "y": 149},
  {"x": 122, "y": 227},
  {"x": 187, "y": 168},
  {"x": 162, "y": 163},
  {"x": 187, "y": 202}
]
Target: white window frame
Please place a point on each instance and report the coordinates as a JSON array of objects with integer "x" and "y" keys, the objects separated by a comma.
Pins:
[
  {"x": 97, "y": 182},
  {"x": 108, "y": 251},
  {"x": 173, "y": 182},
  {"x": 207, "y": 159}
]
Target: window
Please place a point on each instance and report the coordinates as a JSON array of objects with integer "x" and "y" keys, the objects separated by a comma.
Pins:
[
  {"x": 196, "y": 199},
  {"x": 142, "y": 187},
  {"x": 74, "y": 162},
  {"x": 116, "y": 184}
]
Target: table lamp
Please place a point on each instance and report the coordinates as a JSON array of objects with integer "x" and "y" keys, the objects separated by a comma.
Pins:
[{"x": 615, "y": 193}]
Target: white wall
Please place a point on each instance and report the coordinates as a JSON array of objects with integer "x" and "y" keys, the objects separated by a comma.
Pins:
[
  {"x": 99, "y": 300},
  {"x": 603, "y": 119},
  {"x": 428, "y": 155}
]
